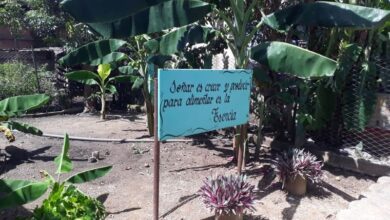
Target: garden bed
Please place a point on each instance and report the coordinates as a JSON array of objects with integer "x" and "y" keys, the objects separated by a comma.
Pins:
[{"x": 127, "y": 190}]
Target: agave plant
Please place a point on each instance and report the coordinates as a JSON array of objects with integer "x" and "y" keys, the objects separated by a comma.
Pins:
[
  {"x": 298, "y": 162},
  {"x": 227, "y": 194}
]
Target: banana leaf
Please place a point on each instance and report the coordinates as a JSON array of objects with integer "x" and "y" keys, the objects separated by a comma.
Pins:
[
  {"x": 111, "y": 89},
  {"x": 84, "y": 76},
  {"x": 63, "y": 162},
  {"x": 18, "y": 104},
  {"x": 169, "y": 14},
  {"x": 176, "y": 40},
  {"x": 327, "y": 94},
  {"x": 138, "y": 83},
  {"x": 96, "y": 11},
  {"x": 159, "y": 60},
  {"x": 348, "y": 56},
  {"x": 25, "y": 128},
  {"x": 327, "y": 14},
  {"x": 109, "y": 58},
  {"x": 89, "y": 175},
  {"x": 9, "y": 185},
  {"x": 24, "y": 194},
  {"x": 290, "y": 59},
  {"x": 360, "y": 98},
  {"x": 104, "y": 71},
  {"x": 126, "y": 70},
  {"x": 122, "y": 78},
  {"x": 90, "y": 52},
  {"x": 324, "y": 107}
]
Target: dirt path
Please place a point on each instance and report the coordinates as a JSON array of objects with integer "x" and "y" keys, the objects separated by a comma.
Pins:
[{"x": 127, "y": 190}]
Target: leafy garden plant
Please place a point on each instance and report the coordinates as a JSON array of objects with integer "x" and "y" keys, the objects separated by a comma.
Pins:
[
  {"x": 297, "y": 162},
  {"x": 65, "y": 201},
  {"x": 16, "y": 105},
  {"x": 102, "y": 80},
  {"x": 17, "y": 78},
  {"x": 228, "y": 195}
]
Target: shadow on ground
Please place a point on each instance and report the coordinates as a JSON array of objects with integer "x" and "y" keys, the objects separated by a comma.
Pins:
[
  {"x": 14, "y": 213},
  {"x": 182, "y": 201},
  {"x": 15, "y": 156},
  {"x": 246, "y": 217}
]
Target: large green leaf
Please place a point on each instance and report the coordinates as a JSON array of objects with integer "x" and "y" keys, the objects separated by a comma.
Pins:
[
  {"x": 324, "y": 107},
  {"x": 138, "y": 83},
  {"x": 359, "y": 98},
  {"x": 327, "y": 14},
  {"x": 109, "y": 58},
  {"x": 63, "y": 162},
  {"x": 176, "y": 40},
  {"x": 169, "y": 14},
  {"x": 96, "y": 11},
  {"x": 9, "y": 185},
  {"x": 111, "y": 89},
  {"x": 327, "y": 95},
  {"x": 91, "y": 52},
  {"x": 104, "y": 71},
  {"x": 24, "y": 194},
  {"x": 18, "y": 104},
  {"x": 89, "y": 175},
  {"x": 348, "y": 56},
  {"x": 84, "y": 76},
  {"x": 127, "y": 70},
  {"x": 25, "y": 128},
  {"x": 288, "y": 58},
  {"x": 123, "y": 78},
  {"x": 159, "y": 60}
]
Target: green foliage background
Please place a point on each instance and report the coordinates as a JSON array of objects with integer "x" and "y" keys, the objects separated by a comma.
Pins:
[{"x": 17, "y": 78}]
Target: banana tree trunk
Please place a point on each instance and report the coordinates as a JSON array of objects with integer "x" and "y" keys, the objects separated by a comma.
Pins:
[
  {"x": 103, "y": 110},
  {"x": 149, "y": 109}
]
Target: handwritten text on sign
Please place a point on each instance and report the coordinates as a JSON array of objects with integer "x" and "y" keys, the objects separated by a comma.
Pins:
[{"x": 196, "y": 101}]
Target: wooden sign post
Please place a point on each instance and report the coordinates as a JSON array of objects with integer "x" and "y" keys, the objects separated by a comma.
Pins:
[{"x": 190, "y": 102}]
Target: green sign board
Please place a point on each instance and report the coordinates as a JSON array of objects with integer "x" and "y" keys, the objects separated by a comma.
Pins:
[{"x": 197, "y": 101}]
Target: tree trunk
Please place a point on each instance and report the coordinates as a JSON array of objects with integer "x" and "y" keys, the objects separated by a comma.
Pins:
[
  {"x": 149, "y": 110},
  {"x": 103, "y": 110}
]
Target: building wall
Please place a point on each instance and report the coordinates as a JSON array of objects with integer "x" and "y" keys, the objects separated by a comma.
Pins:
[{"x": 7, "y": 41}]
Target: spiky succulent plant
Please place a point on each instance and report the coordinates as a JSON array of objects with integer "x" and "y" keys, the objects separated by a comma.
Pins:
[
  {"x": 298, "y": 162},
  {"x": 227, "y": 194}
]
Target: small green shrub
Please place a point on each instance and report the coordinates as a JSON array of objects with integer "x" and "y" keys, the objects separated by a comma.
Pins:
[
  {"x": 67, "y": 202},
  {"x": 17, "y": 78}
]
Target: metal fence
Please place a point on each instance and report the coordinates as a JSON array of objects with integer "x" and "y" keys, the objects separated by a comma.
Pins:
[
  {"x": 42, "y": 61},
  {"x": 374, "y": 139}
]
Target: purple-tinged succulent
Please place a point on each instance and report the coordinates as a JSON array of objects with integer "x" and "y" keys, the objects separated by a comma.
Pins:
[
  {"x": 297, "y": 162},
  {"x": 227, "y": 194}
]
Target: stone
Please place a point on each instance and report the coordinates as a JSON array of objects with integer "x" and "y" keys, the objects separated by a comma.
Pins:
[
  {"x": 92, "y": 160},
  {"x": 96, "y": 155}
]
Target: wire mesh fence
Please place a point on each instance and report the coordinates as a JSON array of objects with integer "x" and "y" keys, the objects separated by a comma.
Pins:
[
  {"x": 368, "y": 112},
  {"x": 27, "y": 71}
]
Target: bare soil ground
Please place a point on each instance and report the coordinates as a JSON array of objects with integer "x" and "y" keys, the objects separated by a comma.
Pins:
[{"x": 127, "y": 190}]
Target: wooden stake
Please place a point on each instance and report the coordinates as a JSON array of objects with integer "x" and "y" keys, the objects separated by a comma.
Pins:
[{"x": 156, "y": 167}]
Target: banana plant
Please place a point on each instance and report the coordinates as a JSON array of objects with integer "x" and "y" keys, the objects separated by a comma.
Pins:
[
  {"x": 95, "y": 53},
  {"x": 14, "y": 106},
  {"x": 102, "y": 79},
  {"x": 283, "y": 57},
  {"x": 123, "y": 19},
  {"x": 19, "y": 192},
  {"x": 150, "y": 52}
]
